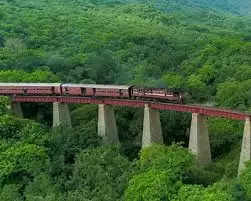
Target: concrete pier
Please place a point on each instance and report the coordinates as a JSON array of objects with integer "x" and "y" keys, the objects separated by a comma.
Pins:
[
  {"x": 17, "y": 109},
  {"x": 152, "y": 132},
  {"x": 246, "y": 146},
  {"x": 107, "y": 127},
  {"x": 61, "y": 115},
  {"x": 199, "y": 139}
]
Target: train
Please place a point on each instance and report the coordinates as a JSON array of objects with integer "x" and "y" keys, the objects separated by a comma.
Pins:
[{"x": 92, "y": 90}]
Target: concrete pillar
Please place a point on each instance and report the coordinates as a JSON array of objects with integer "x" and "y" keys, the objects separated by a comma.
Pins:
[
  {"x": 199, "y": 139},
  {"x": 107, "y": 127},
  {"x": 152, "y": 132},
  {"x": 61, "y": 115},
  {"x": 17, "y": 109},
  {"x": 246, "y": 146}
]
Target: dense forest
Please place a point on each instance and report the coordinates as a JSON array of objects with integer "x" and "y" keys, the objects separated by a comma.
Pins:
[{"x": 201, "y": 47}]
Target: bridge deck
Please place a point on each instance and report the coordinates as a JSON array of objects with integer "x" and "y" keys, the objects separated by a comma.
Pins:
[{"x": 209, "y": 111}]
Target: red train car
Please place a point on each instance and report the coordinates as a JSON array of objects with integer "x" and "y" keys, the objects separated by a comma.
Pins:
[
  {"x": 91, "y": 90},
  {"x": 97, "y": 90},
  {"x": 157, "y": 94},
  {"x": 30, "y": 89}
]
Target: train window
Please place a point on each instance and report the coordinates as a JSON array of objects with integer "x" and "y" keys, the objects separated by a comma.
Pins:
[{"x": 83, "y": 91}]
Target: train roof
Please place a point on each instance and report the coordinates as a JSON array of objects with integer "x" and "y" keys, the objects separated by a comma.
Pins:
[
  {"x": 98, "y": 86},
  {"x": 30, "y": 84}
]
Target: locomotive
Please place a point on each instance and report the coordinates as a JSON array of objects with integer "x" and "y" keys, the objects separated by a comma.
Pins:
[{"x": 91, "y": 90}]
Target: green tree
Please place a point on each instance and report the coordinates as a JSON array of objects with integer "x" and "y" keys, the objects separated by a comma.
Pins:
[
  {"x": 217, "y": 192},
  {"x": 21, "y": 160},
  {"x": 196, "y": 87},
  {"x": 42, "y": 188},
  {"x": 245, "y": 180},
  {"x": 11, "y": 192},
  {"x": 173, "y": 81},
  {"x": 102, "y": 174},
  {"x": 4, "y": 101},
  {"x": 153, "y": 185},
  {"x": 161, "y": 170},
  {"x": 174, "y": 158}
]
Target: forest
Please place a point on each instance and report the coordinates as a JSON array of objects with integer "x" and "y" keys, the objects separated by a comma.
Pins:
[{"x": 201, "y": 47}]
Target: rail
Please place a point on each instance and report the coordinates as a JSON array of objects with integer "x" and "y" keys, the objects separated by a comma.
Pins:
[{"x": 208, "y": 111}]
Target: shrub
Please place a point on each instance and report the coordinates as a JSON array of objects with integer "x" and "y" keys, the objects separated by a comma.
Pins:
[
  {"x": 159, "y": 157},
  {"x": 153, "y": 185},
  {"x": 102, "y": 173}
]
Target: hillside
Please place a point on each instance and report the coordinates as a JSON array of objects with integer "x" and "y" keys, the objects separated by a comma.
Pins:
[
  {"x": 236, "y": 7},
  {"x": 200, "y": 47}
]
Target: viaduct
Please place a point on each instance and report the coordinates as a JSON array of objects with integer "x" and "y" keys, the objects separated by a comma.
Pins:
[{"x": 152, "y": 133}]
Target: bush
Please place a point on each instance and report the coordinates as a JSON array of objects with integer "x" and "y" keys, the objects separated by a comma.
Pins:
[
  {"x": 41, "y": 189},
  {"x": 160, "y": 157},
  {"x": 21, "y": 160},
  {"x": 224, "y": 133},
  {"x": 245, "y": 180},
  {"x": 190, "y": 193},
  {"x": 10, "y": 193},
  {"x": 64, "y": 145},
  {"x": 153, "y": 185},
  {"x": 204, "y": 175},
  {"x": 3, "y": 105},
  {"x": 102, "y": 173}
]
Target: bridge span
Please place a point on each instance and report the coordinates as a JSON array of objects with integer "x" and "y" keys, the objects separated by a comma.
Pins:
[
  {"x": 152, "y": 133},
  {"x": 199, "y": 109}
]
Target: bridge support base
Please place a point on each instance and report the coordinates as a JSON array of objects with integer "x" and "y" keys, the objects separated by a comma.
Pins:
[
  {"x": 152, "y": 132},
  {"x": 107, "y": 127},
  {"x": 17, "y": 109},
  {"x": 199, "y": 139},
  {"x": 61, "y": 115},
  {"x": 246, "y": 146}
]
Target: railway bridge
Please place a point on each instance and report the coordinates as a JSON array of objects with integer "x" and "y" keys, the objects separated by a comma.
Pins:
[{"x": 152, "y": 133}]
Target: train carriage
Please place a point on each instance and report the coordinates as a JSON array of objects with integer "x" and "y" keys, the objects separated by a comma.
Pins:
[
  {"x": 160, "y": 94},
  {"x": 91, "y": 90},
  {"x": 30, "y": 89},
  {"x": 97, "y": 90}
]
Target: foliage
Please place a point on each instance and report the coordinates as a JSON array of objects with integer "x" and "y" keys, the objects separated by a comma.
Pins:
[
  {"x": 43, "y": 75},
  {"x": 10, "y": 193},
  {"x": 41, "y": 188},
  {"x": 190, "y": 193},
  {"x": 224, "y": 133},
  {"x": 14, "y": 129},
  {"x": 245, "y": 180},
  {"x": 234, "y": 94},
  {"x": 84, "y": 114},
  {"x": 196, "y": 193},
  {"x": 174, "y": 158},
  {"x": 160, "y": 172},
  {"x": 3, "y": 105},
  {"x": 153, "y": 185},
  {"x": 101, "y": 173},
  {"x": 64, "y": 145},
  {"x": 204, "y": 176},
  {"x": 202, "y": 48},
  {"x": 21, "y": 160},
  {"x": 173, "y": 81}
]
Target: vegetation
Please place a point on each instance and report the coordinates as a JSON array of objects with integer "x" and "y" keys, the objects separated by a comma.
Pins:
[{"x": 202, "y": 48}]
